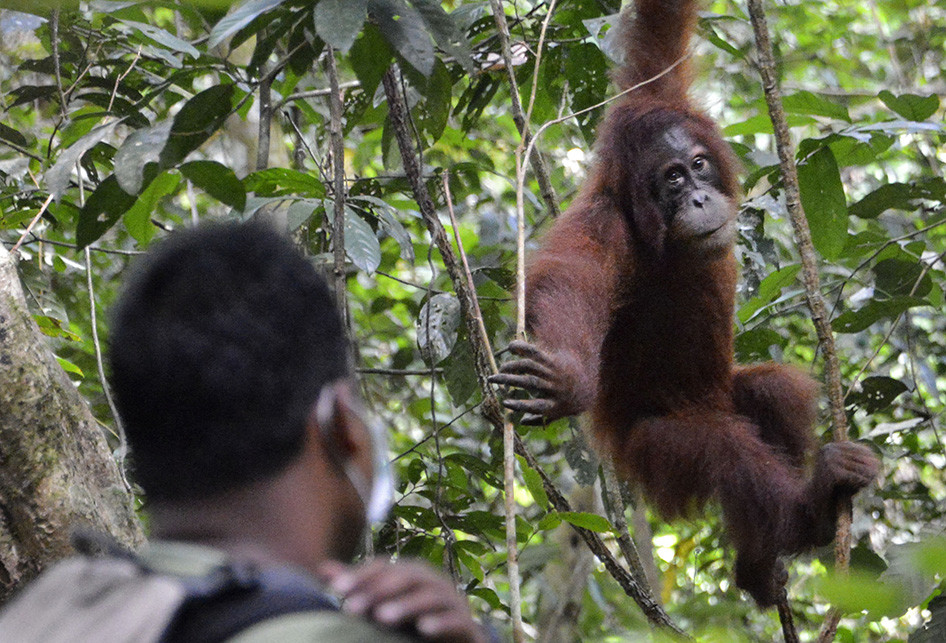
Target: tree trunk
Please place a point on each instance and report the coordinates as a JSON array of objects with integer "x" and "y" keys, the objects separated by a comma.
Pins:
[{"x": 56, "y": 470}]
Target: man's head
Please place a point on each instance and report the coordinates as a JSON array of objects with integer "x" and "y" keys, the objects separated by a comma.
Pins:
[{"x": 220, "y": 346}]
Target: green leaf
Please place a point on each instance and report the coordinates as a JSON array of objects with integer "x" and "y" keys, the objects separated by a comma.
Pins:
[
  {"x": 755, "y": 345},
  {"x": 300, "y": 212},
  {"x": 762, "y": 124},
  {"x": 859, "y": 592},
  {"x": 893, "y": 277},
  {"x": 52, "y": 327},
  {"x": 200, "y": 117},
  {"x": 459, "y": 373},
  {"x": 9, "y": 134},
  {"x": 243, "y": 16},
  {"x": 138, "y": 218},
  {"x": 770, "y": 288},
  {"x": 855, "y": 321},
  {"x": 445, "y": 31},
  {"x": 891, "y": 196},
  {"x": 282, "y": 181},
  {"x": 822, "y": 197},
  {"x": 386, "y": 215},
  {"x": 805, "y": 102},
  {"x": 436, "y": 107},
  {"x": 218, "y": 181},
  {"x": 592, "y": 522},
  {"x": 534, "y": 483},
  {"x": 57, "y": 177},
  {"x": 877, "y": 393},
  {"x": 338, "y": 21},
  {"x": 142, "y": 147},
  {"x": 437, "y": 327},
  {"x": 403, "y": 28},
  {"x": 361, "y": 243},
  {"x": 911, "y": 106},
  {"x": 69, "y": 367},
  {"x": 101, "y": 211},
  {"x": 370, "y": 57},
  {"x": 164, "y": 38}
]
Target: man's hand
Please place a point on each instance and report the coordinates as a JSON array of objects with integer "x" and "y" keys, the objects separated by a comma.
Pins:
[
  {"x": 409, "y": 596},
  {"x": 553, "y": 379}
]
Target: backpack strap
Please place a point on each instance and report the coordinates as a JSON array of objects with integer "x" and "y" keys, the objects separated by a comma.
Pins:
[
  {"x": 229, "y": 598},
  {"x": 237, "y": 597}
]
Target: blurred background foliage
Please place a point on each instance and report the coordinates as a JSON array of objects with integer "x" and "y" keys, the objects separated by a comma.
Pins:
[{"x": 121, "y": 121}]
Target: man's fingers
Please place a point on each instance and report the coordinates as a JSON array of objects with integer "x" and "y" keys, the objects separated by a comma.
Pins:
[{"x": 411, "y": 606}]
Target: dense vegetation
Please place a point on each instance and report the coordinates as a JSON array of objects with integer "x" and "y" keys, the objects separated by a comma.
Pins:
[{"x": 122, "y": 120}]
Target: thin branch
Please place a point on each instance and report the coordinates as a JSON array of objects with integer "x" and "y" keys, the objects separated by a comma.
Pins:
[
  {"x": 483, "y": 361},
  {"x": 63, "y": 244},
  {"x": 57, "y": 65},
  {"x": 29, "y": 228},
  {"x": 315, "y": 93},
  {"x": 810, "y": 279},
  {"x": 338, "y": 172},
  {"x": 522, "y": 123},
  {"x": 397, "y": 372},
  {"x": 538, "y": 60},
  {"x": 122, "y": 450},
  {"x": 612, "y": 491},
  {"x": 265, "y": 122}
]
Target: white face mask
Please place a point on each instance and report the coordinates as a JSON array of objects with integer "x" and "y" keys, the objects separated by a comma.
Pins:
[{"x": 378, "y": 496}]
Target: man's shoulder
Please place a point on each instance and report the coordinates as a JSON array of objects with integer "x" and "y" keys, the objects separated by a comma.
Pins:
[{"x": 317, "y": 626}]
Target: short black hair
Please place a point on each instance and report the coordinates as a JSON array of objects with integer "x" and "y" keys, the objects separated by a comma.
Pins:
[{"x": 220, "y": 344}]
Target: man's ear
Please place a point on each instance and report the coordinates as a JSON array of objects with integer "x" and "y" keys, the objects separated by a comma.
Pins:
[{"x": 333, "y": 421}]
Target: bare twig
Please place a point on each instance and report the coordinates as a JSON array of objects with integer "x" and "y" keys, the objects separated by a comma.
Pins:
[
  {"x": 33, "y": 222},
  {"x": 57, "y": 65},
  {"x": 483, "y": 361},
  {"x": 265, "y": 122},
  {"x": 811, "y": 281},
  {"x": 518, "y": 115},
  {"x": 509, "y": 455},
  {"x": 338, "y": 174},
  {"x": 397, "y": 372},
  {"x": 612, "y": 491},
  {"x": 785, "y": 617}
]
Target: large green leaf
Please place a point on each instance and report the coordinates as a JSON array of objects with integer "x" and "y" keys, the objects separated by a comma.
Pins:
[
  {"x": 897, "y": 196},
  {"x": 855, "y": 321},
  {"x": 822, "y": 196},
  {"x": 437, "y": 327},
  {"x": 403, "y": 28},
  {"x": 282, "y": 181},
  {"x": 338, "y": 21},
  {"x": 240, "y": 18},
  {"x": 142, "y": 147},
  {"x": 217, "y": 180},
  {"x": 911, "y": 106},
  {"x": 361, "y": 243},
  {"x": 445, "y": 31},
  {"x": 436, "y": 107},
  {"x": 138, "y": 218},
  {"x": 198, "y": 119},
  {"x": 370, "y": 57},
  {"x": 769, "y": 289},
  {"x": 101, "y": 211},
  {"x": 804, "y": 102},
  {"x": 57, "y": 177},
  {"x": 163, "y": 37}
]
